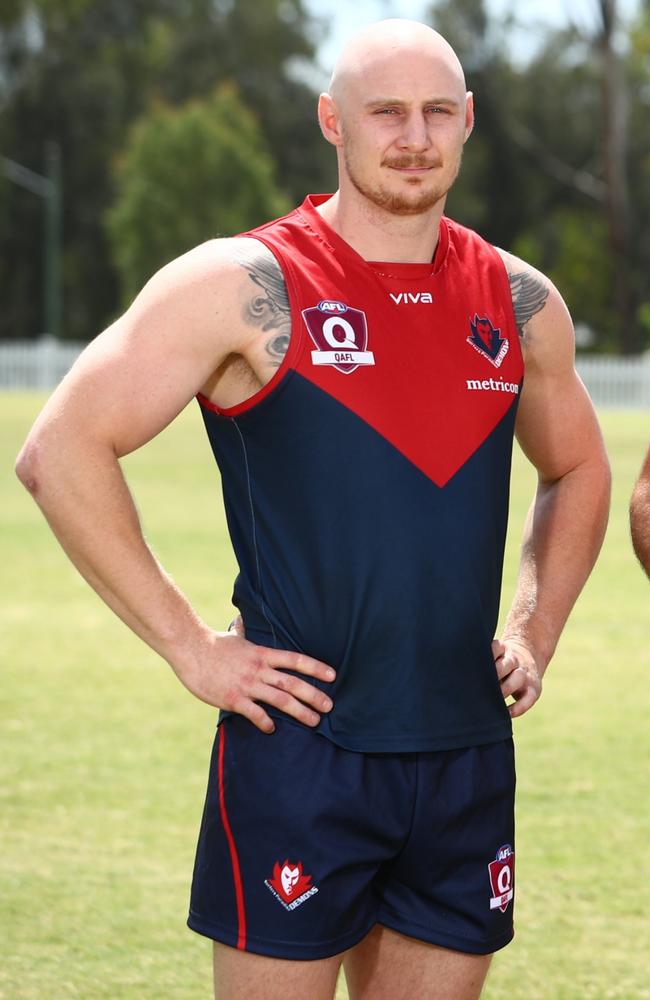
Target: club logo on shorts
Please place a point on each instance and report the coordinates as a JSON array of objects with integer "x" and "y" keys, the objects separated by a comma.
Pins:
[
  {"x": 502, "y": 878},
  {"x": 340, "y": 334},
  {"x": 290, "y": 885},
  {"x": 487, "y": 340}
]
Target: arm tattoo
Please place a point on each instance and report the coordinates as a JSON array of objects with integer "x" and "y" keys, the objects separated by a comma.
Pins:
[
  {"x": 268, "y": 307},
  {"x": 529, "y": 296}
]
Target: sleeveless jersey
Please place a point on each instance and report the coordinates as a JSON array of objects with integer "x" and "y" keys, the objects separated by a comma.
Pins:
[{"x": 366, "y": 485}]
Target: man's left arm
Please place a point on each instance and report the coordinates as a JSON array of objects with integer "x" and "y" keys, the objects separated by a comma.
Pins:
[{"x": 558, "y": 431}]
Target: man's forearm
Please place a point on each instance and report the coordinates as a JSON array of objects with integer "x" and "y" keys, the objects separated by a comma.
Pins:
[
  {"x": 564, "y": 531},
  {"x": 90, "y": 509}
]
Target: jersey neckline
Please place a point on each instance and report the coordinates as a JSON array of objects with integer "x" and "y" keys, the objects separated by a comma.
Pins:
[{"x": 382, "y": 269}]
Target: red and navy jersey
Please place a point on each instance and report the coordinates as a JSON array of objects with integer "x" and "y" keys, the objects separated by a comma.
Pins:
[{"x": 366, "y": 485}]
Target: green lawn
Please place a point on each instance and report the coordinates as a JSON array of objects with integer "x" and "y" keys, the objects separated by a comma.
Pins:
[{"x": 103, "y": 757}]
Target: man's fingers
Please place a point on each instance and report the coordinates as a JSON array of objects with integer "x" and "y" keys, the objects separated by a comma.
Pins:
[
  {"x": 498, "y": 649},
  {"x": 518, "y": 676},
  {"x": 286, "y": 703},
  {"x": 522, "y": 704},
  {"x": 300, "y": 662},
  {"x": 256, "y": 714},
  {"x": 514, "y": 681},
  {"x": 248, "y": 705},
  {"x": 302, "y": 690},
  {"x": 505, "y": 666},
  {"x": 523, "y": 688}
]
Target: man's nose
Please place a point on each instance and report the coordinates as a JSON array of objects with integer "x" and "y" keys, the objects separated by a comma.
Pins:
[{"x": 414, "y": 134}]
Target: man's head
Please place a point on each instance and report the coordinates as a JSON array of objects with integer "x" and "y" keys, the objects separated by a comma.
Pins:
[{"x": 398, "y": 113}]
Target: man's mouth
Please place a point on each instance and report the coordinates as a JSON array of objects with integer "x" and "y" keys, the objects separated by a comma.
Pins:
[{"x": 410, "y": 166}]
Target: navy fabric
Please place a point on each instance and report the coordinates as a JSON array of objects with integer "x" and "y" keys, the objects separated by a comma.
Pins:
[
  {"x": 305, "y": 846},
  {"x": 348, "y": 552}
]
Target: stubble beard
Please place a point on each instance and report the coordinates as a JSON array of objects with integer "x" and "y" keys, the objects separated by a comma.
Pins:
[{"x": 400, "y": 203}]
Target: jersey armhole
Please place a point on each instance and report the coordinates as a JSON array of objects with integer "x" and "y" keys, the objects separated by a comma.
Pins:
[
  {"x": 505, "y": 280},
  {"x": 287, "y": 365}
]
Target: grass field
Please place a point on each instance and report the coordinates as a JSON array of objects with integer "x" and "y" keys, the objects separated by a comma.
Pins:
[{"x": 103, "y": 757}]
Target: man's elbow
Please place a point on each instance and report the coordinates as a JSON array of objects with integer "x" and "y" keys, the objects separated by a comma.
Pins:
[
  {"x": 27, "y": 467},
  {"x": 39, "y": 462}
]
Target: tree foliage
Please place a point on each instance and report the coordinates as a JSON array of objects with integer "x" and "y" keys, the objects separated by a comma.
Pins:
[
  {"x": 189, "y": 173},
  {"x": 547, "y": 173},
  {"x": 552, "y": 162},
  {"x": 82, "y": 72}
]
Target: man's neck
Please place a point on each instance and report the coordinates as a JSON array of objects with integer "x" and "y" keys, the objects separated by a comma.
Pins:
[{"x": 376, "y": 234}]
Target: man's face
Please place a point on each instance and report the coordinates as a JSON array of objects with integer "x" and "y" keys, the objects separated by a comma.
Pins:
[{"x": 403, "y": 127}]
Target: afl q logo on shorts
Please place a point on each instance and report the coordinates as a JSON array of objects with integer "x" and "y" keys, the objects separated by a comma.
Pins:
[
  {"x": 502, "y": 878},
  {"x": 340, "y": 334}
]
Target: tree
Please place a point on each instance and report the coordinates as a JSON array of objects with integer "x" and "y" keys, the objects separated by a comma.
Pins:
[
  {"x": 551, "y": 162},
  {"x": 492, "y": 193},
  {"x": 616, "y": 114},
  {"x": 81, "y": 72},
  {"x": 189, "y": 173}
]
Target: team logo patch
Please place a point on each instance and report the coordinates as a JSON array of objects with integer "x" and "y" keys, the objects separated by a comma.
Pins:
[
  {"x": 502, "y": 878},
  {"x": 290, "y": 885},
  {"x": 487, "y": 340},
  {"x": 340, "y": 334}
]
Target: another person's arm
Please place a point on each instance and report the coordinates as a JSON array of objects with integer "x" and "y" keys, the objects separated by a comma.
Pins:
[
  {"x": 640, "y": 515},
  {"x": 558, "y": 431},
  {"x": 128, "y": 384}
]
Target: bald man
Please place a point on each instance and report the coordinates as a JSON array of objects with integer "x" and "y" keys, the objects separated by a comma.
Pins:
[
  {"x": 359, "y": 366},
  {"x": 640, "y": 515}
]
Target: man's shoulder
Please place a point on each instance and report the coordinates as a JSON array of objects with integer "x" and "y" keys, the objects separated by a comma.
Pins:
[
  {"x": 543, "y": 320},
  {"x": 218, "y": 265},
  {"x": 529, "y": 287}
]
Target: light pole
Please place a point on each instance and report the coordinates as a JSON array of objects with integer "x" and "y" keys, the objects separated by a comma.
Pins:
[{"x": 49, "y": 188}]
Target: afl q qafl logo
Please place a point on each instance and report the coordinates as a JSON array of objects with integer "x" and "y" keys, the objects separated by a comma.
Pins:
[
  {"x": 502, "y": 878},
  {"x": 340, "y": 334}
]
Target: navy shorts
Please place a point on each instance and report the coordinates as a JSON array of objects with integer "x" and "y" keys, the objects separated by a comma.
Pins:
[{"x": 305, "y": 846}]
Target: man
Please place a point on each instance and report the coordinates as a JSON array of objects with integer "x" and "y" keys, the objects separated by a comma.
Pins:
[
  {"x": 359, "y": 366},
  {"x": 640, "y": 515}
]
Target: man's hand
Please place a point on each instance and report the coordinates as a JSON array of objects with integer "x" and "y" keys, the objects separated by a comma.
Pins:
[
  {"x": 235, "y": 674},
  {"x": 518, "y": 675}
]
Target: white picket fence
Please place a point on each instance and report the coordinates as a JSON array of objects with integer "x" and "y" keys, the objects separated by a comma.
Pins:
[
  {"x": 616, "y": 383},
  {"x": 40, "y": 364}
]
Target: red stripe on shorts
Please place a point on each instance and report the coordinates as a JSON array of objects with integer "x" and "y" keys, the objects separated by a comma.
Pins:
[{"x": 234, "y": 858}]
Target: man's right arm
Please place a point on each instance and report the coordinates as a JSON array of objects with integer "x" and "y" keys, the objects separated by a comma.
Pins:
[
  {"x": 128, "y": 384},
  {"x": 640, "y": 515}
]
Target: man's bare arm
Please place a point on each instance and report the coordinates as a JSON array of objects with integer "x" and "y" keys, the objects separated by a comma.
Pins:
[
  {"x": 558, "y": 430},
  {"x": 640, "y": 516},
  {"x": 176, "y": 338}
]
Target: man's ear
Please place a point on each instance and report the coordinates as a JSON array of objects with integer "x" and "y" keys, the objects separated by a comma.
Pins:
[
  {"x": 329, "y": 120},
  {"x": 469, "y": 115}
]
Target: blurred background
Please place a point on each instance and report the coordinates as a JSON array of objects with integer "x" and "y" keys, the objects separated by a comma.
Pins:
[{"x": 130, "y": 131}]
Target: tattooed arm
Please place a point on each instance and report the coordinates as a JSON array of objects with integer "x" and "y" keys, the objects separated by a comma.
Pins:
[
  {"x": 192, "y": 317},
  {"x": 267, "y": 308},
  {"x": 529, "y": 295},
  {"x": 558, "y": 431}
]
